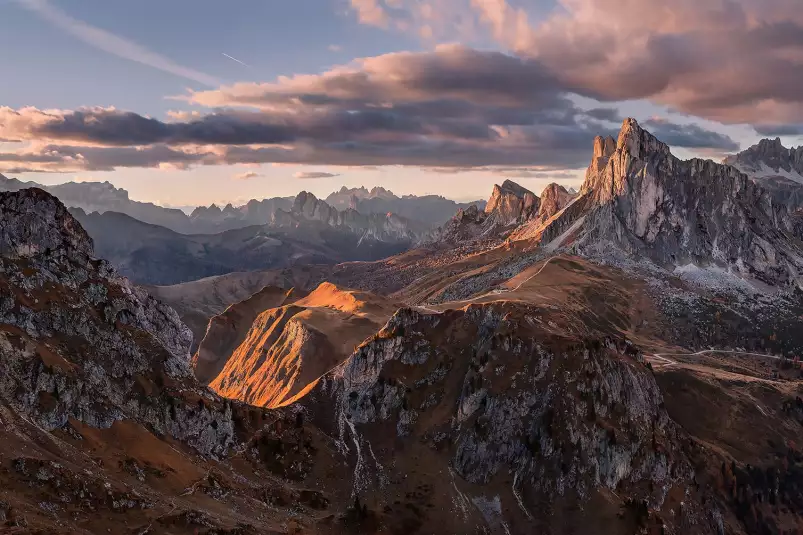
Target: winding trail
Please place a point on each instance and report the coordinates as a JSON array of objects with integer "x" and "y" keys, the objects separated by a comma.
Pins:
[
  {"x": 669, "y": 362},
  {"x": 495, "y": 291}
]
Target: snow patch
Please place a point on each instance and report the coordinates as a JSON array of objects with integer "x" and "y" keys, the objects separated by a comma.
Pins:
[{"x": 765, "y": 171}]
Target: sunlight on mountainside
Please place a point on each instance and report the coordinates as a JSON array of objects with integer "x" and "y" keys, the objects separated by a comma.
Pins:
[{"x": 401, "y": 267}]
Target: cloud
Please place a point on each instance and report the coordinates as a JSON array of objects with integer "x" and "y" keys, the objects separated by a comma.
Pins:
[
  {"x": 732, "y": 61},
  {"x": 450, "y": 107},
  {"x": 246, "y": 175},
  {"x": 689, "y": 135},
  {"x": 605, "y": 114},
  {"x": 541, "y": 175},
  {"x": 451, "y": 72},
  {"x": 370, "y": 12},
  {"x": 108, "y": 126},
  {"x": 113, "y": 44},
  {"x": 335, "y": 48},
  {"x": 778, "y": 130},
  {"x": 313, "y": 174}
]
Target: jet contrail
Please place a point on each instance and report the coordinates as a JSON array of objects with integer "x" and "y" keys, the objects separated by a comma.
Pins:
[
  {"x": 237, "y": 60},
  {"x": 111, "y": 43}
]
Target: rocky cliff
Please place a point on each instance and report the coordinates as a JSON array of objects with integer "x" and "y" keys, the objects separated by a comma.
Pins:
[
  {"x": 778, "y": 169},
  {"x": 554, "y": 199},
  {"x": 649, "y": 203},
  {"x": 509, "y": 207},
  {"x": 528, "y": 422},
  {"x": 511, "y": 204},
  {"x": 388, "y": 227},
  {"x": 81, "y": 343}
]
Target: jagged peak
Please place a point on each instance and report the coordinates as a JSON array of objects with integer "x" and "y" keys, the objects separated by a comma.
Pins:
[
  {"x": 508, "y": 186},
  {"x": 305, "y": 195},
  {"x": 638, "y": 142},
  {"x": 604, "y": 147},
  {"x": 554, "y": 188},
  {"x": 34, "y": 221},
  {"x": 305, "y": 198},
  {"x": 771, "y": 143}
]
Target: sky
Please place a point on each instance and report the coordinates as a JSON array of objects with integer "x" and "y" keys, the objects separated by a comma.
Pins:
[{"x": 191, "y": 102}]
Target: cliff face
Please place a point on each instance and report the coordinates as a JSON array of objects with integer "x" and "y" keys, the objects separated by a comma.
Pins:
[
  {"x": 536, "y": 420},
  {"x": 388, "y": 228},
  {"x": 510, "y": 204},
  {"x": 649, "y": 203},
  {"x": 777, "y": 169},
  {"x": 79, "y": 342}
]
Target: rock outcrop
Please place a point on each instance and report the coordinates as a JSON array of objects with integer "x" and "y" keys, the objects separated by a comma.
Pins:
[
  {"x": 79, "y": 342},
  {"x": 779, "y": 170},
  {"x": 541, "y": 419},
  {"x": 649, "y": 203},
  {"x": 511, "y": 204}
]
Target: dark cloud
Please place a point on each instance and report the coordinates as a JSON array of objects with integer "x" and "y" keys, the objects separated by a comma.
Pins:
[
  {"x": 689, "y": 136},
  {"x": 451, "y": 107},
  {"x": 314, "y": 174},
  {"x": 450, "y": 72},
  {"x": 605, "y": 114},
  {"x": 777, "y": 130}
]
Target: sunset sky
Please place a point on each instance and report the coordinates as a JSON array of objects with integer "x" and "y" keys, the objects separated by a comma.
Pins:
[{"x": 187, "y": 102}]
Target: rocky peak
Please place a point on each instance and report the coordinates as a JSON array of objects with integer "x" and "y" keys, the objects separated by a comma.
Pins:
[
  {"x": 639, "y": 143},
  {"x": 310, "y": 207},
  {"x": 649, "y": 203},
  {"x": 554, "y": 198},
  {"x": 768, "y": 157},
  {"x": 511, "y": 203},
  {"x": 604, "y": 146},
  {"x": 379, "y": 191},
  {"x": 35, "y": 222},
  {"x": 635, "y": 147}
]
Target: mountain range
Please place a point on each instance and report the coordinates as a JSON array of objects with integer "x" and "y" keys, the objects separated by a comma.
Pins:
[
  {"x": 616, "y": 360},
  {"x": 428, "y": 211},
  {"x": 310, "y": 232}
]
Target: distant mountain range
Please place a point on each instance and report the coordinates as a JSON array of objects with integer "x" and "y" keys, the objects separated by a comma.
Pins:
[
  {"x": 431, "y": 210},
  {"x": 778, "y": 169},
  {"x": 426, "y": 212},
  {"x": 309, "y": 232}
]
